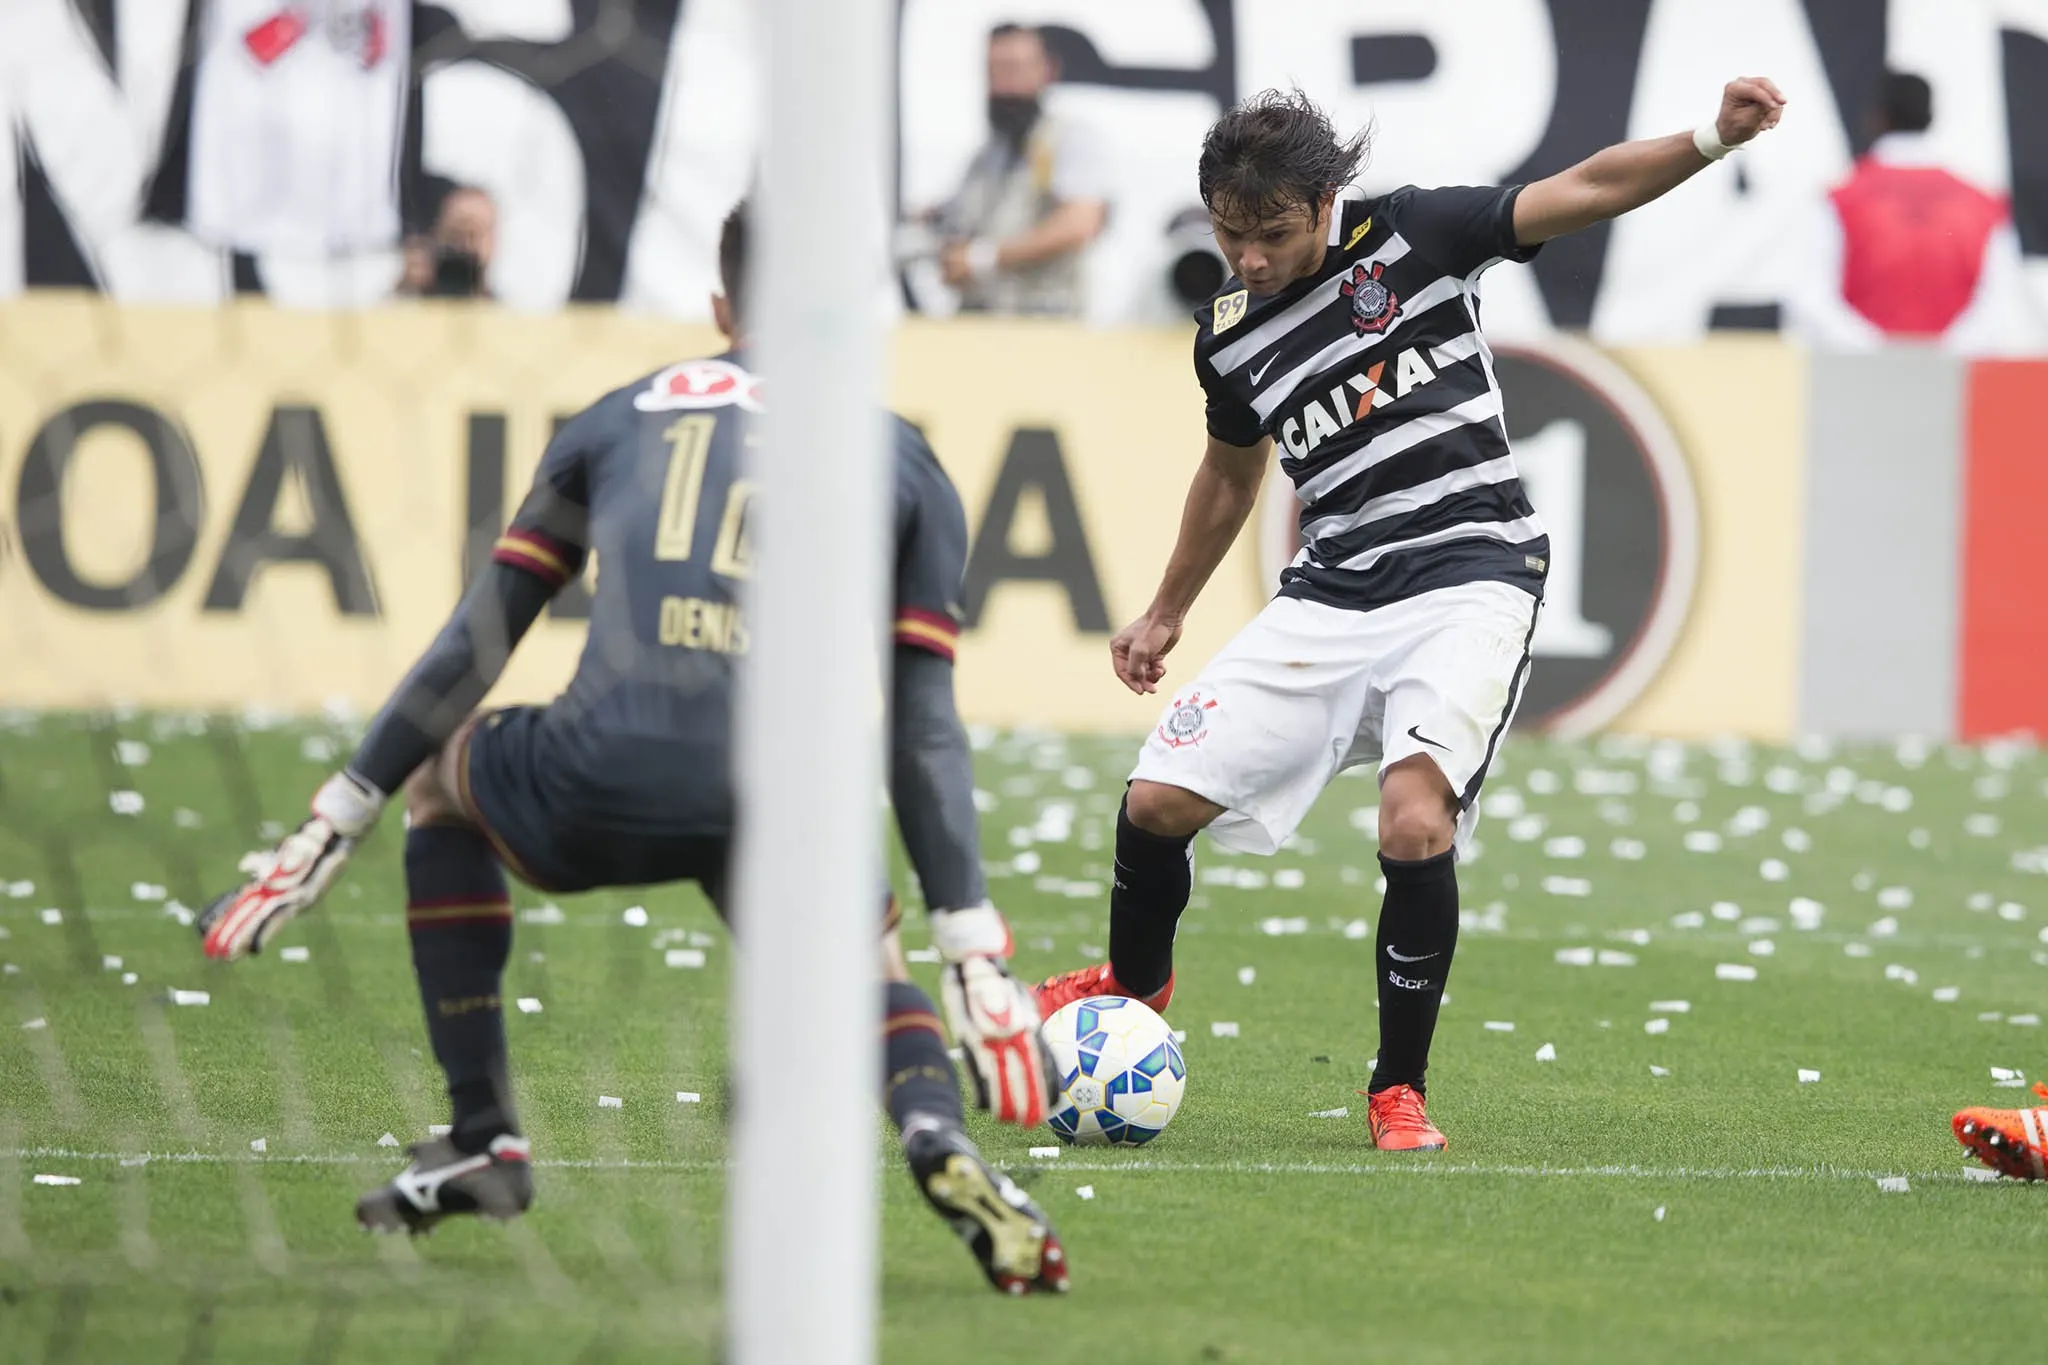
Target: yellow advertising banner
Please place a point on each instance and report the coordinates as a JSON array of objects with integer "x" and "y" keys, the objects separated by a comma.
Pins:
[{"x": 245, "y": 506}]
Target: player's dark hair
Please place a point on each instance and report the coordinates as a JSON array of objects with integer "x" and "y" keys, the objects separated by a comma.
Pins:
[
  {"x": 732, "y": 255},
  {"x": 1276, "y": 151},
  {"x": 1010, "y": 29},
  {"x": 1905, "y": 102}
]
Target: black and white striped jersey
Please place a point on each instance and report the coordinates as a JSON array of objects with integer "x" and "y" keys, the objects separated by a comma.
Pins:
[{"x": 1373, "y": 378}]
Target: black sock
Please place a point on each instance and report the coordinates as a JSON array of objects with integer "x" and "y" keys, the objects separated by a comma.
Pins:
[
  {"x": 920, "y": 1074},
  {"x": 1418, "y": 934},
  {"x": 459, "y": 917},
  {"x": 1154, "y": 873}
]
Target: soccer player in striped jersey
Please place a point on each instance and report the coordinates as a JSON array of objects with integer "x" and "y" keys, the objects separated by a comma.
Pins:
[
  {"x": 625, "y": 780},
  {"x": 1349, "y": 335}
]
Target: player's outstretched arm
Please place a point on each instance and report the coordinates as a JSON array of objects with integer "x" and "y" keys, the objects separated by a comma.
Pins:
[
  {"x": 1221, "y": 498},
  {"x": 1629, "y": 175},
  {"x": 931, "y": 783},
  {"x": 447, "y": 683}
]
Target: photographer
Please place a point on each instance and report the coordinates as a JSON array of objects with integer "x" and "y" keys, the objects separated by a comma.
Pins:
[{"x": 454, "y": 262}]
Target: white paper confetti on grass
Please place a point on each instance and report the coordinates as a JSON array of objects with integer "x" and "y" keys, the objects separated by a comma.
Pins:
[
  {"x": 1689, "y": 919},
  {"x": 1568, "y": 886},
  {"x": 191, "y": 998},
  {"x": 2025, "y": 1020},
  {"x": 1893, "y": 1184},
  {"x": 1854, "y": 949},
  {"x": 1223, "y": 1029},
  {"x": 36, "y": 1023},
  {"x": 1629, "y": 850},
  {"x": 1656, "y": 1070},
  {"x": 1085, "y": 1191},
  {"x": 147, "y": 891},
  {"x": 1547, "y": 1053},
  {"x": 1341, "y": 1112},
  {"x": 1982, "y": 826},
  {"x": 1980, "y": 1174},
  {"x": 388, "y": 1140},
  {"x": 2004, "y": 1073},
  {"x": 51, "y": 915},
  {"x": 1671, "y": 1007},
  {"x": 1796, "y": 840},
  {"x": 1895, "y": 971},
  {"x": 1358, "y": 929},
  {"x": 1614, "y": 957},
  {"x": 1806, "y": 914},
  {"x": 294, "y": 954},
  {"x": 1808, "y": 1076},
  {"x": 1774, "y": 870},
  {"x": 1702, "y": 841},
  {"x": 1045, "y": 1153},
  {"x": 1725, "y": 910},
  {"x": 260, "y": 1145},
  {"x": 1762, "y": 947},
  {"x": 129, "y": 978},
  {"x": 684, "y": 957},
  {"x": 1564, "y": 846},
  {"x": 528, "y": 1005},
  {"x": 1947, "y": 995},
  {"x": 1247, "y": 975},
  {"x": 58, "y": 1180},
  {"x": 1895, "y": 898},
  {"x": 610, "y": 1102},
  {"x": 110, "y": 963},
  {"x": 2012, "y": 912},
  {"x": 922, "y": 955},
  {"x": 1290, "y": 879},
  {"x": 1734, "y": 971},
  {"x": 1499, "y": 1026},
  {"x": 1658, "y": 1213},
  {"x": 688, "y": 1097},
  {"x": 543, "y": 914},
  {"x": 635, "y": 916},
  {"x": 21, "y": 891},
  {"x": 1278, "y": 928},
  {"x": 1990, "y": 1017},
  {"x": 131, "y": 753},
  {"x": 1573, "y": 957},
  {"x": 1657, "y": 1025},
  {"x": 125, "y": 802}
]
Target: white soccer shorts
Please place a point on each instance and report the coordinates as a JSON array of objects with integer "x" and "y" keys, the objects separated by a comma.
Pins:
[{"x": 1307, "y": 690}]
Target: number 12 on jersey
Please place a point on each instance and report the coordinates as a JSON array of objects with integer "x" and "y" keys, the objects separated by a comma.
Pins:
[{"x": 689, "y": 459}]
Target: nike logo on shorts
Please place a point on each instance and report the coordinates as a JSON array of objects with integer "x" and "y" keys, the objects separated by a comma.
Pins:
[
  {"x": 1260, "y": 373},
  {"x": 1415, "y": 733},
  {"x": 1400, "y": 956}
]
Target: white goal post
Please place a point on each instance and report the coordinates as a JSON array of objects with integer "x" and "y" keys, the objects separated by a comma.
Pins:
[{"x": 802, "y": 1218}]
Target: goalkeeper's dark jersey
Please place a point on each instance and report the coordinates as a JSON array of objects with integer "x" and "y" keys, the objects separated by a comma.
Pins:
[{"x": 652, "y": 482}]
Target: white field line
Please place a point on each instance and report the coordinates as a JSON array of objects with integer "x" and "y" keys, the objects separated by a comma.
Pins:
[{"x": 1422, "y": 1167}]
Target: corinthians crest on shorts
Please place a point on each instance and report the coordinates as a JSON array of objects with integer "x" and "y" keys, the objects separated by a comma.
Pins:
[
  {"x": 1373, "y": 306},
  {"x": 1188, "y": 722}
]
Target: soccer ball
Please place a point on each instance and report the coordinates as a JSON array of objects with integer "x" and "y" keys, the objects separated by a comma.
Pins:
[{"x": 1121, "y": 1073}]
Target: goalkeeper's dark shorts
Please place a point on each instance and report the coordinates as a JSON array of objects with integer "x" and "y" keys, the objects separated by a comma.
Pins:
[
  {"x": 503, "y": 775},
  {"x": 549, "y": 845}
]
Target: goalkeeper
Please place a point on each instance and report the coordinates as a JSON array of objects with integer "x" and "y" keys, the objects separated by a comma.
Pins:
[{"x": 625, "y": 780}]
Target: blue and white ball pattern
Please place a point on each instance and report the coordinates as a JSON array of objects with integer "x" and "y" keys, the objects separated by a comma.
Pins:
[{"x": 1121, "y": 1072}]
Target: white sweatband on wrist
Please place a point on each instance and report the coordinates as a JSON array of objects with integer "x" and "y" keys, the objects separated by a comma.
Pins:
[
  {"x": 981, "y": 258},
  {"x": 348, "y": 803},
  {"x": 1707, "y": 138}
]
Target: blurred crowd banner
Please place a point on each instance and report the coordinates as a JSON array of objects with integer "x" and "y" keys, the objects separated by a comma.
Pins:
[
  {"x": 235, "y": 506},
  {"x": 614, "y": 134}
]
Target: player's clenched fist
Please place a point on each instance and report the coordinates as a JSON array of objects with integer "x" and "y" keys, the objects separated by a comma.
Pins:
[
  {"x": 1749, "y": 105},
  {"x": 1139, "y": 651}
]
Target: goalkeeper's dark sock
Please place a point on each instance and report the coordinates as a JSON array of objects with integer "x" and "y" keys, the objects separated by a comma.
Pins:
[
  {"x": 1418, "y": 933},
  {"x": 922, "y": 1089},
  {"x": 459, "y": 917},
  {"x": 1154, "y": 873}
]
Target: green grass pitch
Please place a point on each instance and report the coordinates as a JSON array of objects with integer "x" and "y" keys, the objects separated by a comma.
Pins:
[{"x": 1666, "y": 1189}]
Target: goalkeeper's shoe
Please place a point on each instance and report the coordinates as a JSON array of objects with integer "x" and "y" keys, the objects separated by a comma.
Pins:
[
  {"x": 1008, "y": 1234},
  {"x": 1055, "y": 993},
  {"x": 293, "y": 876},
  {"x": 993, "y": 1017},
  {"x": 2013, "y": 1142},
  {"x": 441, "y": 1181}
]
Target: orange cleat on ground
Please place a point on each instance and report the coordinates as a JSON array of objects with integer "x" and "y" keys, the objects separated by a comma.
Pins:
[
  {"x": 2013, "y": 1142},
  {"x": 1399, "y": 1123},
  {"x": 1056, "y": 992}
]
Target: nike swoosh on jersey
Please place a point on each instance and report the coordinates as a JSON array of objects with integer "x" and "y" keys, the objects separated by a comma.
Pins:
[
  {"x": 1399, "y": 956},
  {"x": 1260, "y": 373},
  {"x": 1415, "y": 733}
]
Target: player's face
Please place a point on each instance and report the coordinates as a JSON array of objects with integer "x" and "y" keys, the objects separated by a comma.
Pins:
[{"x": 1270, "y": 253}]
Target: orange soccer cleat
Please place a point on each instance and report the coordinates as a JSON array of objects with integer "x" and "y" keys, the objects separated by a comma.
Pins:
[
  {"x": 1399, "y": 1123},
  {"x": 1056, "y": 992},
  {"x": 2013, "y": 1142}
]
